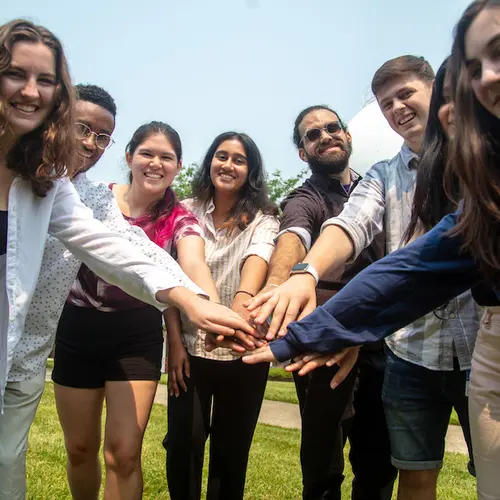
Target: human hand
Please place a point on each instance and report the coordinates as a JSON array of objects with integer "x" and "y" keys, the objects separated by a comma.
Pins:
[
  {"x": 216, "y": 318},
  {"x": 242, "y": 342},
  {"x": 345, "y": 359},
  {"x": 178, "y": 365},
  {"x": 261, "y": 355},
  {"x": 293, "y": 300}
]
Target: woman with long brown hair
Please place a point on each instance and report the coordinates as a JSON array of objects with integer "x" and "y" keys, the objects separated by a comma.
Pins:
[{"x": 37, "y": 152}]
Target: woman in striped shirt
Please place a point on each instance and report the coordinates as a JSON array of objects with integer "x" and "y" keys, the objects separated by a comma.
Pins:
[{"x": 240, "y": 224}]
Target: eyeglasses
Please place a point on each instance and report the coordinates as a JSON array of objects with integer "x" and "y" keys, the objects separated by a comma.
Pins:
[
  {"x": 314, "y": 134},
  {"x": 102, "y": 141}
]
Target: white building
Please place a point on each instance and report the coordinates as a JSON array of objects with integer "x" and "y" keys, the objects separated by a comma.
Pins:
[{"x": 373, "y": 139}]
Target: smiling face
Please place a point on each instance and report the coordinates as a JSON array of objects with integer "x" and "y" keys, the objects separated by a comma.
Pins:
[
  {"x": 482, "y": 53},
  {"x": 28, "y": 87},
  {"x": 329, "y": 153},
  {"x": 229, "y": 168},
  {"x": 154, "y": 165},
  {"x": 100, "y": 121},
  {"x": 404, "y": 103}
]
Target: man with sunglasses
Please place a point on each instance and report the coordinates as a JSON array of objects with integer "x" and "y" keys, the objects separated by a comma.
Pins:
[{"x": 323, "y": 142}]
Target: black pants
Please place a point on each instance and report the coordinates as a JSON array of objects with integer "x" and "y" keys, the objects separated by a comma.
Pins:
[
  {"x": 325, "y": 430},
  {"x": 234, "y": 392}
]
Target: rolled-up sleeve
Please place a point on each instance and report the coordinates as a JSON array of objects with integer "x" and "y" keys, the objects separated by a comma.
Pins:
[
  {"x": 363, "y": 215},
  {"x": 263, "y": 236},
  {"x": 386, "y": 296},
  {"x": 122, "y": 257}
]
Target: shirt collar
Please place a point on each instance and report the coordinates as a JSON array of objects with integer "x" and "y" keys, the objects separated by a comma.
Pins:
[
  {"x": 210, "y": 206},
  {"x": 407, "y": 155},
  {"x": 331, "y": 182}
]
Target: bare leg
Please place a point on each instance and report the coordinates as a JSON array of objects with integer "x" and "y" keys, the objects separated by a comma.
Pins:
[
  {"x": 128, "y": 408},
  {"x": 80, "y": 413},
  {"x": 417, "y": 484}
]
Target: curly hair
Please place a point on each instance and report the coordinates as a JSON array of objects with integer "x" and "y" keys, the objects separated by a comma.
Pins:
[
  {"x": 96, "y": 95},
  {"x": 48, "y": 152}
]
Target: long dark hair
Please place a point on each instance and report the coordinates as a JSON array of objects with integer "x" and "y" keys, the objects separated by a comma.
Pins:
[
  {"x": 474, "y": 156},
  {"x": 431, "y": 202},
  {"x": 48, "y": 152},
  {"x": 159, "y": 222},
  {"x": 253, "y": 196}
]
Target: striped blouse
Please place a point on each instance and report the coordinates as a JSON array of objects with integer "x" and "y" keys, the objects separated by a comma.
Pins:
[{"x": 225, "y": 253}]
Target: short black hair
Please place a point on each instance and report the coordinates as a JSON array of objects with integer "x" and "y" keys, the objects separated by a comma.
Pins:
[
  {"x": 96, "y": 95},
  {"x": 297, "y": 139}
]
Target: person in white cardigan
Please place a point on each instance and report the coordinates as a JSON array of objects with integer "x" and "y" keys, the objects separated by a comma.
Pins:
[{"x": 37, "y": 154}]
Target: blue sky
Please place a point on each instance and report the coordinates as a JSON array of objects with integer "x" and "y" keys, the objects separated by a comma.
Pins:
[{"x": 206, "y": 67}]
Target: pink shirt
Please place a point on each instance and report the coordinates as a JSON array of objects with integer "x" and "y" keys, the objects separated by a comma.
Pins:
[{"x": 89, "y": 290}]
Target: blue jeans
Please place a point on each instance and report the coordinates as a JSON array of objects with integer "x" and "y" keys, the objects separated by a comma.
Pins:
[{"x": 418, "y": 403}]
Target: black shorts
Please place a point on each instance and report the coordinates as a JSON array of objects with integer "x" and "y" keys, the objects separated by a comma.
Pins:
[{"x": 94, "y": 347}]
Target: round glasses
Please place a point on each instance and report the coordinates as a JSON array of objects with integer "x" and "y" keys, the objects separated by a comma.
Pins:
[
  {"x": 102, "y": 141},
  {"x": 314, "y": 134}
]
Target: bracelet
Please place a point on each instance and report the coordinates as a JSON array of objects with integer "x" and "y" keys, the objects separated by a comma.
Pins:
[{"x": 243, "y": 291}]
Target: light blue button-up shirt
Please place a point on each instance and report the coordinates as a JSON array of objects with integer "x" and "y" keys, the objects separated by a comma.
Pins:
[{"x": 383, "y": 200}]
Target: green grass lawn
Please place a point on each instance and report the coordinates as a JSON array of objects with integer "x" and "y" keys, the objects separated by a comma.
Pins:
[{"x": 273, "y": 472}]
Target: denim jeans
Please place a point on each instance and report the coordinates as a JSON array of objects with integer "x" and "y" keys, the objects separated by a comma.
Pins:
[{"x": 418, "y": 404}]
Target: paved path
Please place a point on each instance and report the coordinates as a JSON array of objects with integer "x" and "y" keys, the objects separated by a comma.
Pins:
[{"x": 287, "y": 415}]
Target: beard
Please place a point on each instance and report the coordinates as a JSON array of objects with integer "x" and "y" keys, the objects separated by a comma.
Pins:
[{"x": 333, "y": 163}]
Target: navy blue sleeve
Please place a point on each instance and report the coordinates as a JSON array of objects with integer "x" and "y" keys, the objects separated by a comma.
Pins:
[{"x": 386, "y": 296}]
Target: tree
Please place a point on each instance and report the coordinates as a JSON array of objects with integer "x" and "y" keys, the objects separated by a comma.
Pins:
[
  {"x": 183, "y": 181},
  {"x": 278, "y": 186}
]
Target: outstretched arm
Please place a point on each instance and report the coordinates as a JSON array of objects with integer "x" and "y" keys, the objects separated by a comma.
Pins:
[
  {"x": 112, "y": 256},
  {"x": 341, "y": 241},
  {"x": 386, "y": 296}
]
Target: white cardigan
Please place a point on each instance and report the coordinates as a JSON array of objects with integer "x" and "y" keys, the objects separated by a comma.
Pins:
[{"x": 109, "y": 254}]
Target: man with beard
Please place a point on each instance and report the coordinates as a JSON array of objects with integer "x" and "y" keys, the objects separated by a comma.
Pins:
[{"x": 324, "y": 143}]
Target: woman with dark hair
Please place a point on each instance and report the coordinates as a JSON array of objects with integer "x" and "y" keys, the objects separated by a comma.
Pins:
[
  {"x": 37, "y": 154},
  {"x": 214, "y": 393},
  {"x": 455, "y": 255},
  {"x": 108, "y": 344},
  {"x": 431, "y": 202}
]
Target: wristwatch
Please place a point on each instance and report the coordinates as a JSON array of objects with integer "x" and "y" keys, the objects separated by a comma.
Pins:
[{"x": 305, "y": 268}]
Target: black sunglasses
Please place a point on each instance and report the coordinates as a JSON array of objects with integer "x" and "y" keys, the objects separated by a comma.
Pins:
[{"x": 314, "y": 134}]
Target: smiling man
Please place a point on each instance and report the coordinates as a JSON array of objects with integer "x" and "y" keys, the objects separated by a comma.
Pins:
[
  {"x": 324, "y": 143},
  {"x": 95, "y": 113}
]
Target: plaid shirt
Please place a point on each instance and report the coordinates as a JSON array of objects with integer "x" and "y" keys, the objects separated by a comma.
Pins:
[
  {"x": 382, "y": 201},
  {"x": 225, "y": 254}
]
